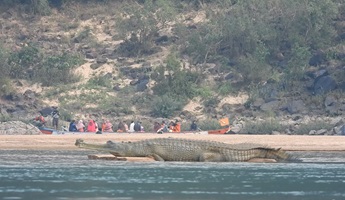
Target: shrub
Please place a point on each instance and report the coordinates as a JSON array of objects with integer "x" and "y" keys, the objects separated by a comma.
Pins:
[
  {"x": 4, "y": 78},
  {"x": 211, "y": 102},
  {"x": 314, "y": 125},
  {"x": 57, "y": 70},
  {"x": 141, "y": 22},
  {"x": 40, "y": 7},
  {"x": 165, "y": 106},
  {"x": 84, "y": 35},
  {"x": 209, "y": 124},
  {"x": 175, "y": 82},
  {"x": 23, "y": 62},
  {"x": 5, "y": 86},
  {"x": 263, "y": 127},
  {"x": 99, "y": 81},
  {"x": 66, "y": 115}
]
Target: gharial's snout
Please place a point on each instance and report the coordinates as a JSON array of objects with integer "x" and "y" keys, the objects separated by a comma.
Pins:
[{"x": 79, "y": 142}]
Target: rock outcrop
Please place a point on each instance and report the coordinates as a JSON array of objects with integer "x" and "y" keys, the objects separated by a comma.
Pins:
[{"x": 18, "y": 128}]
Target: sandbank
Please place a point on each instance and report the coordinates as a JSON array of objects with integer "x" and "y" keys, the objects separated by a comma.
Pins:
[{"x": 66, "y": 141}]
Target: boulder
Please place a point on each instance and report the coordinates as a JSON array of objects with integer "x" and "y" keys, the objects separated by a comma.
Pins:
[
  {"x": 342, "y": 130},
  {"x": 29, "y": 94},
  {"x": 336, "y": 121},
  {"x": 330, "y": 100},
  {"x": 142, "y": 85},
  {"x": 18, "y": 128},
  {"x": 91, "y": 55},
  {"x": 324, "y": 85},
  {"x": 317, "y": 59},
  {"x": 270, "y": 106},
  {"x": 321, "y": 132},
  {"x": 101, "y": 60},
  {"x": 316, "y": 74},
  {"x": 295, "y": 106},
  {"x": 258, "y": 102},
  {"x": 237, "y": 128},
  {"x": 276, "y": 133}
]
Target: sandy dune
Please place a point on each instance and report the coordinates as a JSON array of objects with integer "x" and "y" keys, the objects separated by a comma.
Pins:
[{"x": 66, "y": 142}]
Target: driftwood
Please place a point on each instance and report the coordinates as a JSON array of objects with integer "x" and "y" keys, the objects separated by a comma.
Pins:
[{"x": 115, "y": 158}]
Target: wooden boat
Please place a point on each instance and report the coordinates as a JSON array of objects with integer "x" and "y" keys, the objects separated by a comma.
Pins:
[
  {"x": 219, "y": 131},
  {"x": 46, "y": 130}
]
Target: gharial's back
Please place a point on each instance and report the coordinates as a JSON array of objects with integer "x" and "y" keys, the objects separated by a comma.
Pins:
[{"x": 170, "y": 149}]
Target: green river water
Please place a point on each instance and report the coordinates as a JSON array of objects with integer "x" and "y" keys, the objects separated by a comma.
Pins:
[{"x": 71, "y": 175}]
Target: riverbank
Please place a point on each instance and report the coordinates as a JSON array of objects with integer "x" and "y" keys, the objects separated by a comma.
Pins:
[{"x": 66, "y": 142}]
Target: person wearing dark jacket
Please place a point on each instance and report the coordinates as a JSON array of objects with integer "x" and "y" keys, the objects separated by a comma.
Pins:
[
  {"x": 72, "y": 127},
  {"x": 55, "y": 115},
  {"x": 137, "y": 127},
  {"x": 194, "y": 126}
]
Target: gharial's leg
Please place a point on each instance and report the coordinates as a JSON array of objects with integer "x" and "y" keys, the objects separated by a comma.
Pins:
[
  {"x": 211, "y": 157},
  {"x": 157, "y": 157}
]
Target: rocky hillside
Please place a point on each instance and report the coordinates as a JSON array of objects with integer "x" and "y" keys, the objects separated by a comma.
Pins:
[{"x": 117, "y": 79}]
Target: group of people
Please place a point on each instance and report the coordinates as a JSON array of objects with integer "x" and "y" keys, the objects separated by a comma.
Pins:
[
  {"x": 106, "y": 126},
  {"x": 174, "y": 127},
  {"x": 133, "y": 127},
  {"x": 91, "y": 126},
  {"x": 123, "y": 127}
]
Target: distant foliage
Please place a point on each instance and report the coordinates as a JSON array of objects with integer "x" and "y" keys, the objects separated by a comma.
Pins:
[
  {"x": 252, "y": 32},
  {"x": 3, "y": 61},
  {"x": 100, "y": 81},
  {"x": 165, "y": 106},
  {"x": 263, "y": 127},
  {"x": 40, "y": 7},
  {"x": 176, "y": 82},
  {"x": 30, "y": 64},
  {"x": 138, "y": 25},
  {"x": 304, "y": 129},
  {"x": 57, "y": 70},
  {"x": 5, "y": 84},
  {"x": 209, "y": 124},
  {"x": 23, "y": 62}
]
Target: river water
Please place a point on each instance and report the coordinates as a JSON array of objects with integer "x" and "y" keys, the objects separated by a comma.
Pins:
[{"x": 68, "y": 175}]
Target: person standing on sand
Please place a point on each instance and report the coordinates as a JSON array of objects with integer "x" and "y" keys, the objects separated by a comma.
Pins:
[
  {"x": 194, "y": 126},
  {"x": 55, "y": 114},
  {"x": 137, "y": 127},
  {"x": 131, "y": 127}
]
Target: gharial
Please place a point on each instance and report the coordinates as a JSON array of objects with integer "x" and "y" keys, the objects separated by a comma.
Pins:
[{"x": 171, "y": 149}]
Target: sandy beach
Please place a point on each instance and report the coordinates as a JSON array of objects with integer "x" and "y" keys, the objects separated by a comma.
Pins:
[{"x": 66, "y": 142}]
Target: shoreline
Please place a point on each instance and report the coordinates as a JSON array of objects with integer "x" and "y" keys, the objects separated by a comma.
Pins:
[{"x": 66, "y": 142}]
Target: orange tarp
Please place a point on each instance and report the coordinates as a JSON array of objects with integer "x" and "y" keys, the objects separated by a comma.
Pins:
[{"x": 224, "y": 122}]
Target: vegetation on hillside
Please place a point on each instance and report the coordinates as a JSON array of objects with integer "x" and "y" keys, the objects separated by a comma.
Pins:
[{"x": 261, "y": 41}]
